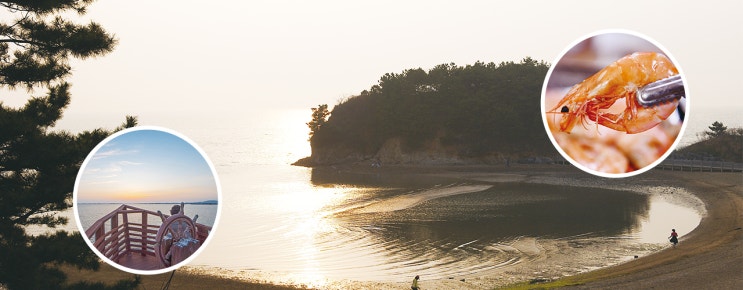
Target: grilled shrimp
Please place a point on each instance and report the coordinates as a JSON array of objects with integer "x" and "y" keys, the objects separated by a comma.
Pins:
[
  {"x": 594, "y": 153},
  {"x": 593, "y": 98}
]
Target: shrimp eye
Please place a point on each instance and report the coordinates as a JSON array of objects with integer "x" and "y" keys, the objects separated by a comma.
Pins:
[{"x": 564, "y": 109}]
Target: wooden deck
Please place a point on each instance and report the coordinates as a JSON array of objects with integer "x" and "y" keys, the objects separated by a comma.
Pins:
[
  {"x": 139, "y": 262},
  {"x": 141, "y": 239}
]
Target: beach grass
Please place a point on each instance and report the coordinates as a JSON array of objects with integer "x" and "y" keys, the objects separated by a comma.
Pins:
[
  {"x": 182, "y": 279},
  {"x": 551, "y": 284}
]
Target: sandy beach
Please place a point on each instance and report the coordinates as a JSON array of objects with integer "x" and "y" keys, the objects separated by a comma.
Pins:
[{"x": 710, "y": 257}]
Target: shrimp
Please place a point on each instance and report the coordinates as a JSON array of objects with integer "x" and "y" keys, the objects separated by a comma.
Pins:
[
  {"x": 592, "y": 98},
  {"x": 644, "y": 149},
  {"x": 594, "y": 153}
]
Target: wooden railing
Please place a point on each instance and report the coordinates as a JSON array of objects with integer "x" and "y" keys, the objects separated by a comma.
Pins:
[
  {"x": 700, "y": 165},
  {"x": 118, "y": 233},
  {"x": 687, "y": 165}
]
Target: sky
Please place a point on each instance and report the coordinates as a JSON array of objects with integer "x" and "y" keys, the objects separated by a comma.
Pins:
[
  {"x": 180, "y": 58},
  {"x": 146, "y": 165}
]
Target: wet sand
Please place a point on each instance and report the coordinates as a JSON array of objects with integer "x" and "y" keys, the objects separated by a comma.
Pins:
[
  {"x": 411, "y": 200},
  {"x": 710, "y": 257}
]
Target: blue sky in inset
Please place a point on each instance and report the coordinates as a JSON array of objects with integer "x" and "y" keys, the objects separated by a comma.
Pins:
[{"x": 146, "y": 166}]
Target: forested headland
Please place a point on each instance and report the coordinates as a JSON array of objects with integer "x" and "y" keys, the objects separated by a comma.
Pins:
[
  {"x": 478, "y": 113},
  {"x": 718, "y": 143}
]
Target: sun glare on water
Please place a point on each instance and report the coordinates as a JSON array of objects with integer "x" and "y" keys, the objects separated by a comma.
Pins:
[
  {"x": 309, "y": 210},
  {"x": 293, "y": 134}
]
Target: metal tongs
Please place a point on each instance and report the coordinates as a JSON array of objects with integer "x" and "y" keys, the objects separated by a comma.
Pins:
[{"x": 662, "y": 91}]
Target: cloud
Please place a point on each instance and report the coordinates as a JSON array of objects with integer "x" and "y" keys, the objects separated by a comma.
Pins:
[
  {"x": 113, "y": 152},
  {"x": 107, "y": 176},
  {"x": 110, "y": 170},
  {"x": 110, "y": 181}
]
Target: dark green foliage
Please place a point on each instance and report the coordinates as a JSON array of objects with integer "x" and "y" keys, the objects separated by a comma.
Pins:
[
  {"x": 480, "y": 109},
  {"x": 42, "y": 255},
  {"x": 726, "y": 145},
  {"x": 42, "y": 7},
  {"x": 38, "y": 166},
  {"x": 37, "y": 174},
  {"x": 35, "y": 46},
  {"x": 716, "y": 129},
  {"x": 319, "y": 117}
]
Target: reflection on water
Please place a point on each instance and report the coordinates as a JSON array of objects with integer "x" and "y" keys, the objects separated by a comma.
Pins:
[
  {"x": 464, "y": 234},
  {"x": 656, "y": 223},
  {"x": 312, "y": 233}
]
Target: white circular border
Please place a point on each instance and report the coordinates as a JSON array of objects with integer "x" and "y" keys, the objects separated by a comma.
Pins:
[
  {"x": 657, "y": 161},
  {"x": 214, "y": 175}
]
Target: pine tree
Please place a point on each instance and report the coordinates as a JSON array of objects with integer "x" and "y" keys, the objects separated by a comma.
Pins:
[
  {"x": 716, "y": 129},
  {"x": 38, "y": 166},
  {"x": 319, "y": 118}
]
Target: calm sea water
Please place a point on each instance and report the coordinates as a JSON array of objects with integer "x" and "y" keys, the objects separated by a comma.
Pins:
[
  {"x": 291, "y": 224},
  {"x": 91, "y": 212}
]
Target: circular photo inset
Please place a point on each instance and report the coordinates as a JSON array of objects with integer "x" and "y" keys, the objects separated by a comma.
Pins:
[
  {"x": 147, "y": 200},
  {"x": 614, "y": 104}
]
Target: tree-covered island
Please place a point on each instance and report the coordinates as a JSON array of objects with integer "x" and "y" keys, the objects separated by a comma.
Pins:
[
  {"x": 484, "y": 113},
  {"x": 479, "y": 113}
]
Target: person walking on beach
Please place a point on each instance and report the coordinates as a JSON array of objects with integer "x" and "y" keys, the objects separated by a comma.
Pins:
[
  {"x": 674, "y": 238},
  {"x": 415, "y": 283}
]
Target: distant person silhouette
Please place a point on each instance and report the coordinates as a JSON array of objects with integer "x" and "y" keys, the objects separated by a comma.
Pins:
[
  {"x": 415, "y": 283},
  {"x": 674, "y": 238}
]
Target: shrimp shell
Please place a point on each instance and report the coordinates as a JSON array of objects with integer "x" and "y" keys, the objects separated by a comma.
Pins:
[{"x": 592, "y": 98}]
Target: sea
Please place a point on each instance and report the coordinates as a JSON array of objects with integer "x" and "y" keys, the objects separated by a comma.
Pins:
[
  {"x": 285, "y": 224},
  {"x": 89, "y": 213}
]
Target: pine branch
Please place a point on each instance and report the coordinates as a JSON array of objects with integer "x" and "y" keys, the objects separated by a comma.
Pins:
[{"x": 25, "y": 41}]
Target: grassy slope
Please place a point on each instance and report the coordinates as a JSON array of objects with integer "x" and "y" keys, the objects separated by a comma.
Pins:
[{"x": 181, "y": 280}]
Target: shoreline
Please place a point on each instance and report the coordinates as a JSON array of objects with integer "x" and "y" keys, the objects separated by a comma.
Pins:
[{"x": 710, "y": 256}]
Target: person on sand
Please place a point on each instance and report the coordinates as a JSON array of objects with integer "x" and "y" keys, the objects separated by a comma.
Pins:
[
  {"x": 674, "y": 238},
  {"x": 415, "y": 283}
]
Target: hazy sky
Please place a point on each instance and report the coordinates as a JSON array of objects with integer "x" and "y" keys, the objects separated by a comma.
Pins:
[
  {"x": 213, "y": 57},
  {"x": 146, "y": 166}
]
